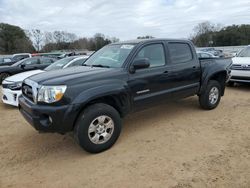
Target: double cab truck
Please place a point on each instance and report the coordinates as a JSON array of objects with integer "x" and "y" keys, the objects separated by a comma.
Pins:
[{"x": 118, "y": 79}]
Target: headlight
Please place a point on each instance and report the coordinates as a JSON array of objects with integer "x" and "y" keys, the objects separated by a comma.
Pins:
[
  {"x": 50, "y": 94},
  {"x": 15, "y": 86}
]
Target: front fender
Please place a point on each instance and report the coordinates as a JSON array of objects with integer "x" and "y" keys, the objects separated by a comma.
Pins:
[
  {"x": 119, "y": 93},
  {"x": 100, "y": 91}
]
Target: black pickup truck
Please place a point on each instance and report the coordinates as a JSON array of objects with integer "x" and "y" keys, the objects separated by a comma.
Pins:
[{"x": 119, "y": 78}]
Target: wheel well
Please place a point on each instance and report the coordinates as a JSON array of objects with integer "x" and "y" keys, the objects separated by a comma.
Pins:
[
  {"x": 221, "y": 78},
  {"x": 117, "y": 102},
  {"x": 110, "y": 100}
]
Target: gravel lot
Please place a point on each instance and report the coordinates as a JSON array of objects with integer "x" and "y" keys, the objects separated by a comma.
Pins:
[{"x": 173, "y": 145}]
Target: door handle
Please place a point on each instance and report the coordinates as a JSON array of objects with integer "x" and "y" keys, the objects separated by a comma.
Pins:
[
  {"x": 165, "y": 72},
  {"x": 194, "y": 67}
]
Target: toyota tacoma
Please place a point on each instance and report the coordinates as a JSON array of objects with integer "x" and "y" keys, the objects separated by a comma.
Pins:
[{"x": 118, "y": 79}]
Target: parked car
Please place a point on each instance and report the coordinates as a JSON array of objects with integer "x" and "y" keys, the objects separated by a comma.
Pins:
[
  {"x": 202, "y": 54},
  {"x": 218, "y": 53},
  {"x": 5, "y": 61},
  {"x": 241, "y": 67},
  {"x": 25, "y": 65},
  {"x": 119, "y": 78},
  {"x": 20, "y": 56},
  {"x": 11, "y": 86}
]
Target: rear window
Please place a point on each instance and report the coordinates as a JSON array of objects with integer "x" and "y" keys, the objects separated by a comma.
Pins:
[{"x": 180, "y": 52}]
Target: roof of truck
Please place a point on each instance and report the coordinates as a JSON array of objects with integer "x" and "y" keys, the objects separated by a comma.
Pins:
[{"x": 136, "y": 41}]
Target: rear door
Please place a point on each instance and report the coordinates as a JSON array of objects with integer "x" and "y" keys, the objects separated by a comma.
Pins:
[{"x": 185, "y": 69}]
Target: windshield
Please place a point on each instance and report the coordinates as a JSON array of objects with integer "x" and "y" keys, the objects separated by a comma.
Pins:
[
  {"x": 245, "y": 52},
  {"x": 59, "y": 64},
  {"x": 110, "y": 56}
]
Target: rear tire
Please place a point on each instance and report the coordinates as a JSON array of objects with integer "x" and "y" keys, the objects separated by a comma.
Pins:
[
  {"x": 210, "y": 98},
  {"x": 3, "y": 76},
  {"x": 98, "y": 127}
]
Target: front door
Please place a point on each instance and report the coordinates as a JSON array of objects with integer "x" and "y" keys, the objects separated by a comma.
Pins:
[{"x": 150, "y": 85}]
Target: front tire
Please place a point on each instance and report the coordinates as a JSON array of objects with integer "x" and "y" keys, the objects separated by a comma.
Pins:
[
  {"x": 210, "y": 98},
  {"x": 98, "y": 127}
]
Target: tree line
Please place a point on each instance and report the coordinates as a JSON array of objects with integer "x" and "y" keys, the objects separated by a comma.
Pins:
[
  {"x": 14, "y": 39},
  {"x": 207, "y": 34}
]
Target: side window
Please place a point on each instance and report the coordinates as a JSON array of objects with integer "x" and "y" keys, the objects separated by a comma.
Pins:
[
  {"x": 180, "y": 52},
  {"x": 30, "y": 61},
  {"x": 155, "y": 54},
  {"x": 46, "y": 61},
  {"x": 6, "y": 60}
]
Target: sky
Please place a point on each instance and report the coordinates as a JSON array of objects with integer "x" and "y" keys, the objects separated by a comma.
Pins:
[{"x": 124, "y": 19}]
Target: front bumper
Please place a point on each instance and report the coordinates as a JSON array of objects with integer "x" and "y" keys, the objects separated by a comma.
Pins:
[
  {"x": 45, "y": 118},
  {"x": 240, "y": 76},
  {"x": 10, "y": 97}
]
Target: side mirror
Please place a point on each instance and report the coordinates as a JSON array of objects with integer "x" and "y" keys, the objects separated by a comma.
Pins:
[
  {"x": 140, "y": 64},
  {"x": 22, "y": 66}
]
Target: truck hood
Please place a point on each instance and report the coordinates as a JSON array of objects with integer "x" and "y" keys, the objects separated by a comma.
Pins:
[
  {"x": 21, "y": 76},
  {"x": 74, "y": 75},
  {"x": 241, "y": 60}
]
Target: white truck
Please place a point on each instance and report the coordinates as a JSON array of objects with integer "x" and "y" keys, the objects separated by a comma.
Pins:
[{"x": 240, "y": 70}]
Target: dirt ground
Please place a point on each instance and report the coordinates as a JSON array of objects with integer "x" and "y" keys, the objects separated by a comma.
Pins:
[{"x": 175, "y": 145}]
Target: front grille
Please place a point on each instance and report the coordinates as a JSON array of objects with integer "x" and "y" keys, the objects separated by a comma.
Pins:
[
  {"x": 27, "y": 91},
  {"x": 240, "y": 67}
]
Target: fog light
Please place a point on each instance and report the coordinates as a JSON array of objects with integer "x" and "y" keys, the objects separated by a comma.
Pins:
[{"x": 5, "y": 98}]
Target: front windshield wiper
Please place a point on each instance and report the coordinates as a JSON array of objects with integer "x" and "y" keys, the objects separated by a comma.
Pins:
[{"x": 99, "y": 65}]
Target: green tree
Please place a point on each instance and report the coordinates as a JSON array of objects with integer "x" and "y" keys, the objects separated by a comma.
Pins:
[
  {"x": 208, "y": 34},
  {"x": 14, "y": 40},
  {"x": 204, "y": 34},
  {"x": 100, "y": 40},
  {"x": 233, "y": 35}
]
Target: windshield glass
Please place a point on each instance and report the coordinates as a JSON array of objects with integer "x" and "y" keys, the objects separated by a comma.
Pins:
[
  {"x": 110, "y": 56},
  {"x": 245, "y": 52},
  {"x": 59, "y": 64}
]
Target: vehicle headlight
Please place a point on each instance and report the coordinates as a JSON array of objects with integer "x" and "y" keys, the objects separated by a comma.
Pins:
[
  {"x": 50, "y": 94},
  {"x": 15, "y": 86}
]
